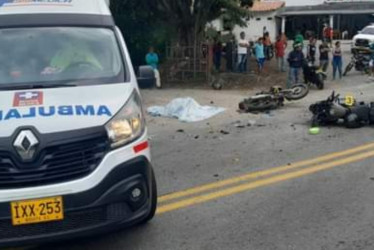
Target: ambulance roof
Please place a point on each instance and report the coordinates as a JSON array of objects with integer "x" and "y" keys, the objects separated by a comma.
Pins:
[
  {"x": 24, "y": 13},
  {"x": 96, "y": 7}
]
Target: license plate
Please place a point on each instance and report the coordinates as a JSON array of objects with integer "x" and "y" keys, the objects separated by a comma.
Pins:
[{"x": 37, "y": 211}]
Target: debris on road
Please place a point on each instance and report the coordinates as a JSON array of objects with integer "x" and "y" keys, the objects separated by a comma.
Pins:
[
  {"x": 180, "y": 131},
  {"x": 185, "y": 110},
  {"x": 224, "y": 132},
  {"x": 251, "y": 123},
  {"x": 314, "y": 131}
]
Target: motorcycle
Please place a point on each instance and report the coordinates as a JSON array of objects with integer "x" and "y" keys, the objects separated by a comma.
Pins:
[
  {"x": 273, "y": 98},
  {"x": 346, "y": 111},
  {"x": 314, "y": 75},
  {"x": 360, "y": 60}
]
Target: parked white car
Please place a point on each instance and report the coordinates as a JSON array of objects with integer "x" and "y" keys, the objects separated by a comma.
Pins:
[{"x": 365, "y": 37}]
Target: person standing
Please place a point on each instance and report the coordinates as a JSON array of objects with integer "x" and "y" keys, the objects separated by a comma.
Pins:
[
  {"x": 337, "y": 60},
  {"x": 152, "y": 60},
  {"x": 242, "y": 53},
  {"x": 267, "y": 45},
  {"x": 327, "y": 34},
  {"x": 217, "y": 54},
  {"x": 295, "y": 60},
  {"x": 371, "y": 63},
  {"x": 324, "y": 50},
  {"x": 280, "y": 48},
  {"x": 312, "y": 50},
  {"x": 229, "y": 52},
  {"x": 260, "y": 55}
]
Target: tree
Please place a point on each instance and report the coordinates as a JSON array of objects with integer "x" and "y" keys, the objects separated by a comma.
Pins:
[
  {"x": 155, "y": 22},
  {"x": 190, "y": 17},
  {"x": 140, "y": 27}
]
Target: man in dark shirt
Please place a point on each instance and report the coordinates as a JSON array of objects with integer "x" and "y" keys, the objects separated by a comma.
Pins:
[
  {"x": 324, "y": 50},
  {"x": 295, "y": 60},
  {"x": 312, "y": 49}
]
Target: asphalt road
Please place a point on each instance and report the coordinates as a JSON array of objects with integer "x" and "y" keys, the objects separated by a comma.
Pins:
[{"x": 267, "y": 186}]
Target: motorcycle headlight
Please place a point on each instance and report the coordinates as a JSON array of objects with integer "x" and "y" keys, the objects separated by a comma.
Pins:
[{"x": 128, "y": 124}]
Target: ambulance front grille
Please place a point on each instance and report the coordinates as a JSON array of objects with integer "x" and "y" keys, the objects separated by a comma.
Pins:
[{"x": 55, "y": 164}]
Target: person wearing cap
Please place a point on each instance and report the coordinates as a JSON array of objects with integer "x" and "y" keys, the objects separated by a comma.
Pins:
[{"x": 295, "y": 60}]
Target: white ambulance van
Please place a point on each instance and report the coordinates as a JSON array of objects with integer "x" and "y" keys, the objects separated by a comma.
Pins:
[{"x": 74, "y": 154}]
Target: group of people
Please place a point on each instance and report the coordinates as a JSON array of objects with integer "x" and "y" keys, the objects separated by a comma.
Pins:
[{"x": 296, "y": 58}]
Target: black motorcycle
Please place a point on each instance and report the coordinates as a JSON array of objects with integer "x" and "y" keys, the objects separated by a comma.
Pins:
[
  {"x": 314, "y": 75},
  {"x": 360, "y": 60},
  {"x": 346, "y": 111},
  {"x": 274, "y": 98}
]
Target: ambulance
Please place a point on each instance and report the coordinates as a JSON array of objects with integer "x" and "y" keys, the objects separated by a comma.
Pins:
[{"x": 74, "y": 152}]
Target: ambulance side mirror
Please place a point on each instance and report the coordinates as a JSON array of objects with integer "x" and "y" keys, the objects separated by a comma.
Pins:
[{"x": 146, "y": 77}]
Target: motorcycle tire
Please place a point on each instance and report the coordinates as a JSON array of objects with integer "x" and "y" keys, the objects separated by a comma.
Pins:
[
  {"x": 320, "y": 81},
  {"x": 299, "y": 91},
  {"x": 352, "y": 121},
  {"x": 250, "y": 105},
  {"x": 348, "y": 69}
]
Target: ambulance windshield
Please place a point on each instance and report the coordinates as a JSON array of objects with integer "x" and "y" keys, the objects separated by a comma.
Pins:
[{"x": 59, "y": 54}]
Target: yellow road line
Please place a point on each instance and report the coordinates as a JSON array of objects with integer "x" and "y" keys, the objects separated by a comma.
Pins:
[
  {"x": 254, "y": 175},
  {"x": 260, "y": 183}
]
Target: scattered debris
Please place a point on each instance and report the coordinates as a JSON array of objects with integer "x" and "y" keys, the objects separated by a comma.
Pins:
[
  {"x": 236, "y": 160},
  {"x": 240, "y": 126},
  {"x": 197, "y": 137},
  {"x": 251, "y": 123},
  {"x": 180, "y": 131},
  {"x": 314, "y": 131},
  {"x": 224, "y": 132},
  {"x": 260, "y": 125}
]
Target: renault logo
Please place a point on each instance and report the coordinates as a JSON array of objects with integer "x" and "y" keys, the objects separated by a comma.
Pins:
[{"x": 25, "y": 144}]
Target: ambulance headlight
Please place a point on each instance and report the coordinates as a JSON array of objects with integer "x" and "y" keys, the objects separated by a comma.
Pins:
[{"x": 128, "y": 124}]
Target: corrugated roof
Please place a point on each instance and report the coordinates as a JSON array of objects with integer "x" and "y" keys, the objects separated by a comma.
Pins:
[
  {"x": 259, "y": 6},
  {"x": 332, "y": 8}
]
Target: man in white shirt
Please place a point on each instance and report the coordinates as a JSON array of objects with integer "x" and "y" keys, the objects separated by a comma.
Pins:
[{"x": 242, "y": 53}]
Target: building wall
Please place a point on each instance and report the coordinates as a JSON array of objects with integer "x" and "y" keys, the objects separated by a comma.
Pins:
[{"x": 255, "y": 26}]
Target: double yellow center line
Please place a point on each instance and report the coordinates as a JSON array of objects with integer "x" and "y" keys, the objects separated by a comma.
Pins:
[{"x": 267, "y": 177}]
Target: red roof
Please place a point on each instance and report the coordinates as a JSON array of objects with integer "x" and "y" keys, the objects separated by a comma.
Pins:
[{"x": 260, "y": 6}]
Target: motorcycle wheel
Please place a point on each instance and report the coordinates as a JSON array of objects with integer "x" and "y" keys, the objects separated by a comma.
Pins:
[
  {"x": 297, "y": 92},
  {"x": 348, "y": 68},
  {"x": 320, "y": 81},
  {"x": 250, "y": 105}
]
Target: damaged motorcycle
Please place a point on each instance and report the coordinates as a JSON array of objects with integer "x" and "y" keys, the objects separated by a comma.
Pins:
[
  {"x": 274, "y": 98},
  {"x": 345, "y": 111}
]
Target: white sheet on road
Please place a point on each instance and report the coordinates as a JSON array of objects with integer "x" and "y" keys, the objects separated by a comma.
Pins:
[{"x": 185, "y": 110}]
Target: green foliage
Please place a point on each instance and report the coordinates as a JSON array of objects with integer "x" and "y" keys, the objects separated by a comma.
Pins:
[{"x": 156, "y": 22}]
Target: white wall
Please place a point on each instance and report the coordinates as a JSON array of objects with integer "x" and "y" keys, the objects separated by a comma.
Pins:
[
  {"x": 254, "y": 29},
  {"x": 303, "y": 2}
]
